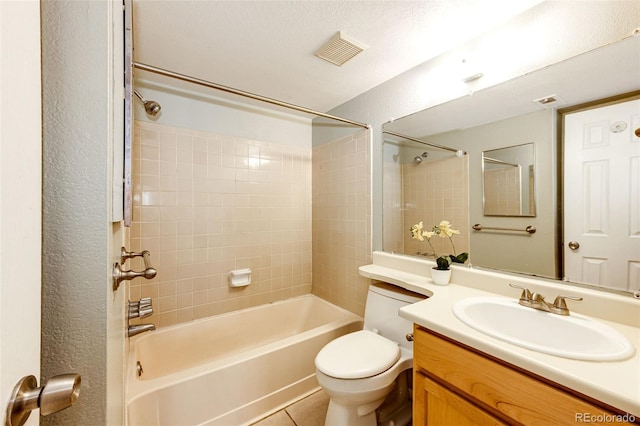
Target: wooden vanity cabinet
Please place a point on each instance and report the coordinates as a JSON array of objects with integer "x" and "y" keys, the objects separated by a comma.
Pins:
[{"x": 455, "y": 385}]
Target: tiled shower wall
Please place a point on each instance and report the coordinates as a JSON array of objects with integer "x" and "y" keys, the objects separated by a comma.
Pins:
[
  {"x": 206, "y": 204},
  {"x": 434, "y": 191},
  {"x": 502, "y": 191},
  {"x": 342, "y": 220}
]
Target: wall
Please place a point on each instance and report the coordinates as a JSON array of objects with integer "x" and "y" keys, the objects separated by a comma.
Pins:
[
  {"x": 206, "y": 204},
  {"x": 82, "y": 318},
  {"x": 342, "y": 219},
  {"x": 519, "y": 252},
  {"x": 197, "y": 107},
  {"x": 546, "y": 34},
  {"x": 20, "y": 195},
  {"x": 433, "y": 191}
]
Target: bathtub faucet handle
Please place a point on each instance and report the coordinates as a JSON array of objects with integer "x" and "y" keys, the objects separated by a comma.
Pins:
[{"x": 140, "y": 309}]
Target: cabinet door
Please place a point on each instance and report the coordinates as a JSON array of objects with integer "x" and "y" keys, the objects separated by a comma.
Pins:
[
  {"x": 435, "y": 405},
  {"x": 499, "y": 389}
]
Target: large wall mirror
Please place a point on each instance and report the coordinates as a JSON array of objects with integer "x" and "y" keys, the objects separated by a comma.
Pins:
[{"x": 493, "y": 127}]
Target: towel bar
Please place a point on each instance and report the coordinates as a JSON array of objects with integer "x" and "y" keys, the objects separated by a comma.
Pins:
[
  {"x": 119, "y": 275},
  {"x": 529, "y": 229}
]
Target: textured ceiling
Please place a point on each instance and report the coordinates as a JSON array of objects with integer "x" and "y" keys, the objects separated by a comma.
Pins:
[{"x": 266, "y": 47}]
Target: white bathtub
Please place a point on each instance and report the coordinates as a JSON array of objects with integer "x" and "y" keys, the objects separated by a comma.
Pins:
[{"x": 231, "y": 369}]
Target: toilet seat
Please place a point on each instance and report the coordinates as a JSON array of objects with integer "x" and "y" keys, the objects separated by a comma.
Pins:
[{"x": 357, "y": 355}]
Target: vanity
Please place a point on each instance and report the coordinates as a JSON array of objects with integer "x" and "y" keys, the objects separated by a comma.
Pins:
[{"x": 465, "y": 376}]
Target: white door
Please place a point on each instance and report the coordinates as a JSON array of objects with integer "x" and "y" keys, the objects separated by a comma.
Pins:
[
  {"x": 602, "y": 196},
  {"x": 20, "y": 195}
]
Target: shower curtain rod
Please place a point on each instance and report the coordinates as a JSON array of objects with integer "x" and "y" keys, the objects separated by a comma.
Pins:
[
  {"x": 495, "y": 160},
  {"x": 423, "y": 142},
  {"x": 227, "y": 89}
]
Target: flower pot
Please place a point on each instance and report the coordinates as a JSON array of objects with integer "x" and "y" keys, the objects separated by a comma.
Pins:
[{"x": 440, "y": 276}]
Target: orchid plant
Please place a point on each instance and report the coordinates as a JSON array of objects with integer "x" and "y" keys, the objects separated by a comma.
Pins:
[{"x": 442, "y": 230}]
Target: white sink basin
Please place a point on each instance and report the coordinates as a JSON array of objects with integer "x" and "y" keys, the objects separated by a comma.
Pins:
[{"x": 574, "y": 336}]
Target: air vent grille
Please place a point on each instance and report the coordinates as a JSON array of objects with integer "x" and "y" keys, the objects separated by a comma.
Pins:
[
  {"x": 550, "y": 101},
  {"x": 340, "y": 48}
]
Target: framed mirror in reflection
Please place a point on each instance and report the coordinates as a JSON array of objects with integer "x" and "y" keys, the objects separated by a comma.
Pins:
[
  {"x": 508, "y": 181},
  {"x": 490, "y": 126}
]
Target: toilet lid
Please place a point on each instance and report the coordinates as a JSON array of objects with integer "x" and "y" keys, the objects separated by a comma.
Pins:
[{"x": 357, "y": 355}]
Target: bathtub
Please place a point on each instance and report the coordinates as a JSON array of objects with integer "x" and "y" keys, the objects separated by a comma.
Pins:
[{"x": 234, "y": 368}]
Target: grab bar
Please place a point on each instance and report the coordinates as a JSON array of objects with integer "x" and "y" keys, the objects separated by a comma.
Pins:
[
  {"x": 529, "y": 229},
  {"x": 119, "y": 275}
]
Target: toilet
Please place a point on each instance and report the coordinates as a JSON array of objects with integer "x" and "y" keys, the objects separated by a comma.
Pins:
[{"x": 359, "y": 370}]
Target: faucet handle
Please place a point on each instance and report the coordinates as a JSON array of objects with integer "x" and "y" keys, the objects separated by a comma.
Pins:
[
  {"x": 143, "y": 313},
  {"x": 526, "y": 296},
  {"x": 560, "y": 305}
]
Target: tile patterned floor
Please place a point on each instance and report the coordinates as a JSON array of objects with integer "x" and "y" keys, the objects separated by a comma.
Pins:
[{"x": 309, "y": 411}]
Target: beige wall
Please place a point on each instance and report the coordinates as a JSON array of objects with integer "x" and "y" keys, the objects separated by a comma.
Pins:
[
  {"x": 342, "y": 220},
  {"x": 511, "y": 251},
  {"x": 205, "y": 204}
]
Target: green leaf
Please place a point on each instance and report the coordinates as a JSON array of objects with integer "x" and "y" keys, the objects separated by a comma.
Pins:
[
  {"x": 443, "y": 263},
  {"x": 461, "y": 258}
]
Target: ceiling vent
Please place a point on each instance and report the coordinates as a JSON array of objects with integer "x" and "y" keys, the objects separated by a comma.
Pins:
[
  {"x": 550, "y": 101},
  {"x": 340, "y": 48}
]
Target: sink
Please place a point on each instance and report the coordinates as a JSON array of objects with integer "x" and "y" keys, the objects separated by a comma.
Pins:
[{"x": 575, "y": 336}]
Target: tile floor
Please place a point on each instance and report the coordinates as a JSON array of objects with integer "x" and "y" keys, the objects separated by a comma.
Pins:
[{"x": 309, "y": 411}]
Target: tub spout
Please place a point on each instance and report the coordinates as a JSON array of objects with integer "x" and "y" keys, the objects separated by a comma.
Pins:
[{"x": 140, "y": 328}]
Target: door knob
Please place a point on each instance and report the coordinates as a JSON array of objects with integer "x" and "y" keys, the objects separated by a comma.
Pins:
[
  {"x": 574, "y": 245},
  {"x": 57, "y": 394}
]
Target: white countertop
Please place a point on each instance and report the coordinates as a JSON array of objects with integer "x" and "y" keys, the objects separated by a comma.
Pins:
[{"x": 616, "y": 383}]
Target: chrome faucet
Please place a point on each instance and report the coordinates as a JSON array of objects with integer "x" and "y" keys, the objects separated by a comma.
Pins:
[
  {"x": 133, "y": 330},
  {"x": 140, "y": 309},
  {"x": 536, "y": 301}
]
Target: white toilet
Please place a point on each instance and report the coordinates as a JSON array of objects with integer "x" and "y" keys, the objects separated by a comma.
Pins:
[{"x": 359, "y": 370}]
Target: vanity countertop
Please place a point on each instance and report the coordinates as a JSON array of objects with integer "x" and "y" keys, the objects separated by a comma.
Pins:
[{"x": 616, "y": 383}]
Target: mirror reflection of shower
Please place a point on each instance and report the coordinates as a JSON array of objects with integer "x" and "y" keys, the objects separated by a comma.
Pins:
[
  {"x": 151, "y": 107},
  {"x": 418, "y": 158}
]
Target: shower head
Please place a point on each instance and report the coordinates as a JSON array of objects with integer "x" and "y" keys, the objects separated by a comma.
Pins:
[
  {"x": 151, "y": 107},
  {"x": 418, "y": 158}
]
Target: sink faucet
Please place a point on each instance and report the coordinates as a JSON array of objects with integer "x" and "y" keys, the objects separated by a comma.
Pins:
[{"x": 536, "y": 301}]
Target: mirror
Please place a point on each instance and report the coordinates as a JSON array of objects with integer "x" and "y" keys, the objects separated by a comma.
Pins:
[
  {"x": 508, "y": 184},
  {"x": 522, "y": 112}
]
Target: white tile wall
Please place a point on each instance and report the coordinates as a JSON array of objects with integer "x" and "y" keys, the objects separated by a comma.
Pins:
[
  {"x": 205, "y": 204},
  {"x": 342, "y": 220}
]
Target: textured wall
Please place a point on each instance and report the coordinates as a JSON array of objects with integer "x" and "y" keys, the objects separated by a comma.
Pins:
[{"x": 82, "y": 326}]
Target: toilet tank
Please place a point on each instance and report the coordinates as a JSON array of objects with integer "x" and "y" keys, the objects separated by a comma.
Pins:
[{"x": 381, "y": 311}]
